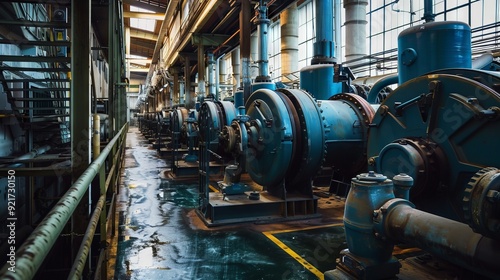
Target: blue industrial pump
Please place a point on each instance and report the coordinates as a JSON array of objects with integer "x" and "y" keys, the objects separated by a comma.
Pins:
[{"x": 440, "y": 127}]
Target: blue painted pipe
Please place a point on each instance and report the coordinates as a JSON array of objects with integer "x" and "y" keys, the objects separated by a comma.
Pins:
[
  {"x": 428, "y": 11},
  {"x": 379, "y": 85},
  {"x": 324, "y": 28},
  {"x": 262, "y": 25}
]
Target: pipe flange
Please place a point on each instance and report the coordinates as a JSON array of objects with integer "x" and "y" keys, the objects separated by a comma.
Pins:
[
  {"x": 481, "y": 202},
  {"x": 381, "y": 215},
  {"x": 227, "y": 138},
  {"x": 364, "y": 109}
]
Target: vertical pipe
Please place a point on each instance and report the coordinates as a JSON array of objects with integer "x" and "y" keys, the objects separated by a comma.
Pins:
[
  {"x": 211, "y": 74},
  {"x": 176, "y": 95},
  {"x": 254, "y": 56},
  {"x": 337, "y": 30},
  {"x": 324, "y": 47},
  {"x": 188, "y": 95},
  {"x": 262, "y": 23},
  {"x": 428, "y": 11},
  {"x": 222, "y": 75},
  {"x": 96, "y": 137},
  {"x": 355, "y": 29},
  {"x": 235, "y": 61},
  {"x": 201, "y": 71},
  {"x": 245, "y": 29},
  {"x": 289, "y": 40}
]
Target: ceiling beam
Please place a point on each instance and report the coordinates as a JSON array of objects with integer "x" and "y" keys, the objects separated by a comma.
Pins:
[
  {"x": 154, "y": 6},
  {"x": 138, "y": 33},
  {"x": 157, "y": 16}
]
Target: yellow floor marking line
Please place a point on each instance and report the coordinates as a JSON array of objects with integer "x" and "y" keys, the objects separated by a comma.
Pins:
[
  {"x": 292, "y": 253},
  {"x": 301, "y": 229},
  {"x": 213, "y": 188}
]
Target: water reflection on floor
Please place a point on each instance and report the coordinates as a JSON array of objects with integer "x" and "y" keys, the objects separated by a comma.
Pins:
[{"x": 156, "y": 240}]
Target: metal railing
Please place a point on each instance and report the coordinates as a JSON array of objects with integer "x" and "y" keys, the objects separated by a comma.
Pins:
[{"x": 37, "y": 246}]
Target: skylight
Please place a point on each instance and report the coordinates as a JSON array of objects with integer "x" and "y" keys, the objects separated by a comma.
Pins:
[{"x": 143, "y": 24}]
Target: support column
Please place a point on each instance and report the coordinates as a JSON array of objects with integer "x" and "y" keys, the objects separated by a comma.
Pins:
[
  {"x": 80, "y": 116},
  {"x": 289, "y": 40},
  {"x": 201, "y": 71},
  {"x": 254, "y": 56},
  {"x": 80, "y": 86},
  {"x": 189, "y": 96},
  {"x": 355, "y": 29},
  {"x": 176, "y": 93},
  {"x": 111, "y": 72}
]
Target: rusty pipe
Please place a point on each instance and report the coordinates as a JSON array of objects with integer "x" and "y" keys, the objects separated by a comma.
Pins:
[{"x": 455, "y": 242}]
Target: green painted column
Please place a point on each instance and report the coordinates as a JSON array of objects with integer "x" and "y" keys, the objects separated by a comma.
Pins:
[
  {"x": 111, "y": 72},
  {"x": 80, "y": 86}
]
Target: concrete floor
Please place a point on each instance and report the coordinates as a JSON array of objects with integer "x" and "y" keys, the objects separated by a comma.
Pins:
[{"x": 161, "y": 237}]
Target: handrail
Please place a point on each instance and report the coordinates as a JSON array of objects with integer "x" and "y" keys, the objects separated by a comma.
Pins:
[{"x": 35, "y": 249}]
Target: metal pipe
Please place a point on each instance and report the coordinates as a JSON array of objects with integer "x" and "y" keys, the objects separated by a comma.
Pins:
[
  {"x": 211, "y": 74},
  {"x": 337, "y": 29},
  {"x": 81, "y": 256},
  {"x": 254, "y": 56},
  {"x": 324, "y": 47},
  {"x": 428, "y": 11},
  {"x": 188, "y": 95},
  {"x": 289, "y": 20},
  {"x": 235, "y": 61},
  {"x": 245, "y": 33},
  {"x": 355, "y": 28},
  {"x": 32, "y": 253},
  {"x": 96, "y": 137},
  {"x": 201, "y": 71},
  {"x": 379, "y": 85},
  {"x": 262, "y": 23},
  {"x": 454, "y": 241}
]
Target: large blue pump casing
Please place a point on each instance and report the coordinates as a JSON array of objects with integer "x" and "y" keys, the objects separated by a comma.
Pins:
[
  {"x": 291, "y": 135},
  {"x": 431, "y": 46},
  {"x": 318, "y": 81},
  {"x": 441, "y": 129}
]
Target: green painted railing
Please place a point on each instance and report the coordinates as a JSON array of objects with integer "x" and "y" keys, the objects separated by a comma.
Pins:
[{"x": 37, "y": 246}]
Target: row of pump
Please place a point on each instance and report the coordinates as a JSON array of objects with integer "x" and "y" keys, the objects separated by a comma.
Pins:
[{"x": 438, "y": 130}]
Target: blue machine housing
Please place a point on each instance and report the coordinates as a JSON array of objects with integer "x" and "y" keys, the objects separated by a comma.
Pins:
[
  {"x": 318, "y": 81},
  {"x": 440, "y": 129},
  {"x": 435, "y": 45},
  {"x": 287, "y": 147}
]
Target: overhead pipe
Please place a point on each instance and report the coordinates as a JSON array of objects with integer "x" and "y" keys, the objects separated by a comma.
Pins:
[
  {"x": 245, "y": 33},
  {"x": 381, "y": 84}
]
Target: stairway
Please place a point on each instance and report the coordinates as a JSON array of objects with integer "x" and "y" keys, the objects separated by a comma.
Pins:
[{"x": 35, "y": 71}]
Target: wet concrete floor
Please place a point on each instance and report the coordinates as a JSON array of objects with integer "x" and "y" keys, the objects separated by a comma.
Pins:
[{"x": 160, "y": 236}]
